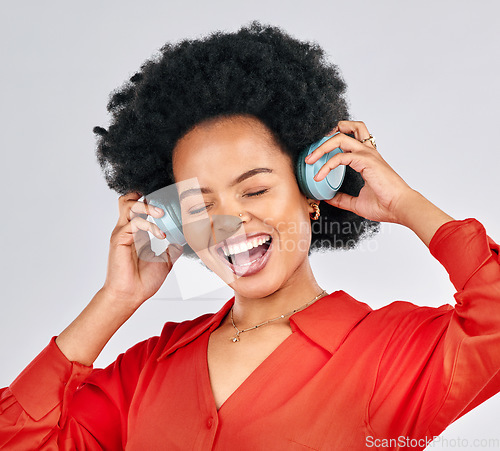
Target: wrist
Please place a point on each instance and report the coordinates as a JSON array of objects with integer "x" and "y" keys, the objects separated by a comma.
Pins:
[
  {"x": 117, "y": 307},
  {"x": 420, "y": 215},
  {"x": 83, "y": 340},
  {"x": 118, "y": 301},
  {"x": 408, "y": 206}
]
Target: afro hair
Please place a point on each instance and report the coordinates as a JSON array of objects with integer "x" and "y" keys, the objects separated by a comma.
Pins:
[{"x": 260, "y": 70}]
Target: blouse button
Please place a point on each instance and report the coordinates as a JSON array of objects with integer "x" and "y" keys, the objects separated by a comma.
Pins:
[{"x": 210, "y": 421}]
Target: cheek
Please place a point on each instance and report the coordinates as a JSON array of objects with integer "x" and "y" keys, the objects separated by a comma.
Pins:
[
  {"x": 197, "y": 232},
  {"x": 293, "y": 224}
]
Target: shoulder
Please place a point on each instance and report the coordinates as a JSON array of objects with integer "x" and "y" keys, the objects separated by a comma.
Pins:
[
  {"x": 399, "y": 308},
  {"x": 395, "y": 312},
  {"x": 404, "y": 312}
]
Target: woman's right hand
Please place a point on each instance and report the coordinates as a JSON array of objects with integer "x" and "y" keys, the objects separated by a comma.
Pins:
[{"x": 132, "y": 279}]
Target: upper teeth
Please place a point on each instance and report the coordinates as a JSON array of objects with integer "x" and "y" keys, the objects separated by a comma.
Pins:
[{"x": 245, "y": 245}]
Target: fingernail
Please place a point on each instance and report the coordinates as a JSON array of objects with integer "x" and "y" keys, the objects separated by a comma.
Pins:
[{"x": 159, "y": 210}]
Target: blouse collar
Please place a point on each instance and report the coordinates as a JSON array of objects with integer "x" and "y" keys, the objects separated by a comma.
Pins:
[{"x": 326, "y": 322}]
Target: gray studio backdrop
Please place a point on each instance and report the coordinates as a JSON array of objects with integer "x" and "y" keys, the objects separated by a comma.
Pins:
[{"x": 422, "y": 75}]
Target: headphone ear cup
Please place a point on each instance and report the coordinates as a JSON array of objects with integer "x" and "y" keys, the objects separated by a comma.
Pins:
[
  {"x": 301, "y": 174},
  {"x": 171, "y": 222},
  {"x": 328, "y": 186}
]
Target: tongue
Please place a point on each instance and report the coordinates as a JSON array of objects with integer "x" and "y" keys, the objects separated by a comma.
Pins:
[{"x": 253, "y": 254}]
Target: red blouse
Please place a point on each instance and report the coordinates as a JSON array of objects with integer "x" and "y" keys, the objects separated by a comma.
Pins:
[{"x": 347, "y": 378}]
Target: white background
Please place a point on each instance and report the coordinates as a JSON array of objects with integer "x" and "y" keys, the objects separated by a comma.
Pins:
[{"x": 422, "y": 75}]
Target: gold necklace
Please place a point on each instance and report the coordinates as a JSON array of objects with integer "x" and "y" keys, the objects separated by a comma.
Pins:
[{"x": 236, "y": 338}]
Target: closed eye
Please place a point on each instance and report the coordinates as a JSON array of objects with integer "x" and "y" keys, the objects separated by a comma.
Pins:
[
  {"x": 198, "y": 210},
  {"x": 257, "y": 193}
]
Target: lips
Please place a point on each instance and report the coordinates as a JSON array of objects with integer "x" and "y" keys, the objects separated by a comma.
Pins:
[{"x": 235, "y": 253}]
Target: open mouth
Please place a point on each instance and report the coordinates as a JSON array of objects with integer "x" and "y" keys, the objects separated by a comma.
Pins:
[{"x": 246, "y": 257}]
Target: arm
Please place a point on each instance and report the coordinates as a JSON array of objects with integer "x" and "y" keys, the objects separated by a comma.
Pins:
[
  {"x": 84, "y": 339},
  {"x": 473, "y": 336},
  {"x": 440, "y": 363},
  {"x": 37, "y": 408},
  {"x": 60, "y": 402}
]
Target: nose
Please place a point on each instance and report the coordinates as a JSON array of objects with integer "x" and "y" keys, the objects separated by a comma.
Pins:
[
  {"x": 224, "y": 226},
  {"x": 225, "y": 219}
]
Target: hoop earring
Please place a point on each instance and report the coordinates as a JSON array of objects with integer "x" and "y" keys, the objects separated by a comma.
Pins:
[{"x": 316, "y": 211}]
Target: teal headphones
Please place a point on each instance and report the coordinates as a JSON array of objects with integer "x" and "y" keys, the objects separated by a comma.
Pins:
[{"x": 171, "y": 223}]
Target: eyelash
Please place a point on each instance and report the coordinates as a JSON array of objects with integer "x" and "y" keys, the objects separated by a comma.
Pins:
[{"x": 256, "y": 194}]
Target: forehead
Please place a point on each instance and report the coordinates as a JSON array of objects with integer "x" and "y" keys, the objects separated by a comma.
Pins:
[{"x": 226, "y": 145}]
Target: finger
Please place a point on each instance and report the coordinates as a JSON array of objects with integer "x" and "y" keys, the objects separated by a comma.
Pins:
[
  {"x": 346, "y": 143},
  {"x": 132, "y": 231},
  {"x": 360, "y": 131},
  {"x": 123, "y": 207},
  {"x": 343, "y": 201},
  {"x": 137, "y": 224},
  {"x": 170, "y": 255},
  {"x": 143, "y": 209},
  {"x": 144, "y": 251},
  {"x": 141, "y": 240},
  {"x": 357, "y": 128},
  {"x": 129, "y": 207},
  {"x": 359, "y": 161},
  {"x": 333, "y": 131}
]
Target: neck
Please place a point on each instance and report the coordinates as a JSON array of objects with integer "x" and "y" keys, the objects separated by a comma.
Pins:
[{"x": 298, "y": 290}]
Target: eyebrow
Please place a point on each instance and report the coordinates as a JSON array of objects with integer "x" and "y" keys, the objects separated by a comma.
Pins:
[{"x": 239, "y": 179}]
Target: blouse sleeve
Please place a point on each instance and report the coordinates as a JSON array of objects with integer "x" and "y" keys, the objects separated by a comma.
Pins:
[
  {"x": 58, "y": 404},
  {"x": 442, "y": 362}
]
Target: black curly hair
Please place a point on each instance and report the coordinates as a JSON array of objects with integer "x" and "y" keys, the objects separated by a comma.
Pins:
[{"x": 259, "y": 70}]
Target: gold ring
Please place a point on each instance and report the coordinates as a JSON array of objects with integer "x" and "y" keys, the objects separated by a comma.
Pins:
[{"x": 371, "y": 139}]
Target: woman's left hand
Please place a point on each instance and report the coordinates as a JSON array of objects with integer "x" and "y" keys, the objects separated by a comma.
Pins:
[{"x": 383, "y": 194}]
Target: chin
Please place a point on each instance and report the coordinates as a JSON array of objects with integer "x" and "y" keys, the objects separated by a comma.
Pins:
[
  {"x": 255, "y": 292},
  {"x": 264, "y": 283}
]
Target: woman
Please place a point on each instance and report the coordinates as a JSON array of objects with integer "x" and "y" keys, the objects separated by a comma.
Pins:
[{"x": 283, "y": 364}]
